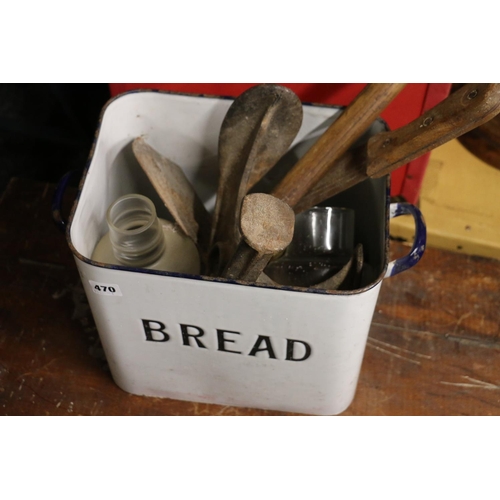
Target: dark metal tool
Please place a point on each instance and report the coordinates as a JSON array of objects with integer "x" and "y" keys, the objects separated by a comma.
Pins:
[{"x": 256, "y": 132}]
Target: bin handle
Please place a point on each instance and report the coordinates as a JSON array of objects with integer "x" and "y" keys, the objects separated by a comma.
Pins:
[
  {"x": 417, "y": 251},
  {"x": 60, "y": 220}
]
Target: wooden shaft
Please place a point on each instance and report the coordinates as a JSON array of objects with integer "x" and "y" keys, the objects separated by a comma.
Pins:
[
  {"x": 351, "y": 124},
  {"x": 348, "y": 171},
  {"x": 465, "y": 109}
]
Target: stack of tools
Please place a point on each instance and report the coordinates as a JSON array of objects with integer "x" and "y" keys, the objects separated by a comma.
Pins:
[{"x": 272, "y": 223}]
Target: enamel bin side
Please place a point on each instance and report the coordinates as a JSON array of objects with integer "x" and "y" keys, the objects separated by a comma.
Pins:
[{"x": 214, "y": 341}]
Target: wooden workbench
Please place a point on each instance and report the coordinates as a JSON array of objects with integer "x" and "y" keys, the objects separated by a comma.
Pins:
[{"x": 433, "y": 348}]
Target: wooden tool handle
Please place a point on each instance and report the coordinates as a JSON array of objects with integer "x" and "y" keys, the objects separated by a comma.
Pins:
[
  {"x": 348, "y": 171},
  {"x": 341, "y": 134},
  {"x": 465, "y": 109}
]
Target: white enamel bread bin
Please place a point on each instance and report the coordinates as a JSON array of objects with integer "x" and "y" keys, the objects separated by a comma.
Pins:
[{"x": 215, "y": 341}]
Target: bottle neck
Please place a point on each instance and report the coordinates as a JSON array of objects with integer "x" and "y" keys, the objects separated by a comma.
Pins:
[{"x": 135, "y": 232}]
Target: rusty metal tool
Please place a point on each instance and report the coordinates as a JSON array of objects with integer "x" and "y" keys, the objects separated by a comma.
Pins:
[
  {"x": 349, "y": 277},
  {"x": 267, "y": 228},
  {"x": 465, "y": 109},
  {"x": 256, "y": 132},
  {"x": 177, "y": 193},
  {"x": 334, "y": 282}
]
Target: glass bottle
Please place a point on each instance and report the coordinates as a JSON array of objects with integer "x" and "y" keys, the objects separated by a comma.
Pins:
[{"x": 138, "y": 238}]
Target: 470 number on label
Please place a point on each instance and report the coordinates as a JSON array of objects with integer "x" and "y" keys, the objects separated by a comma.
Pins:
[{"x": 105, "y": 288}]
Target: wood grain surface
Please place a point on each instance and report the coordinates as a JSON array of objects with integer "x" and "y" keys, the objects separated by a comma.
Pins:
[{"x": 433, "y": 348}]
